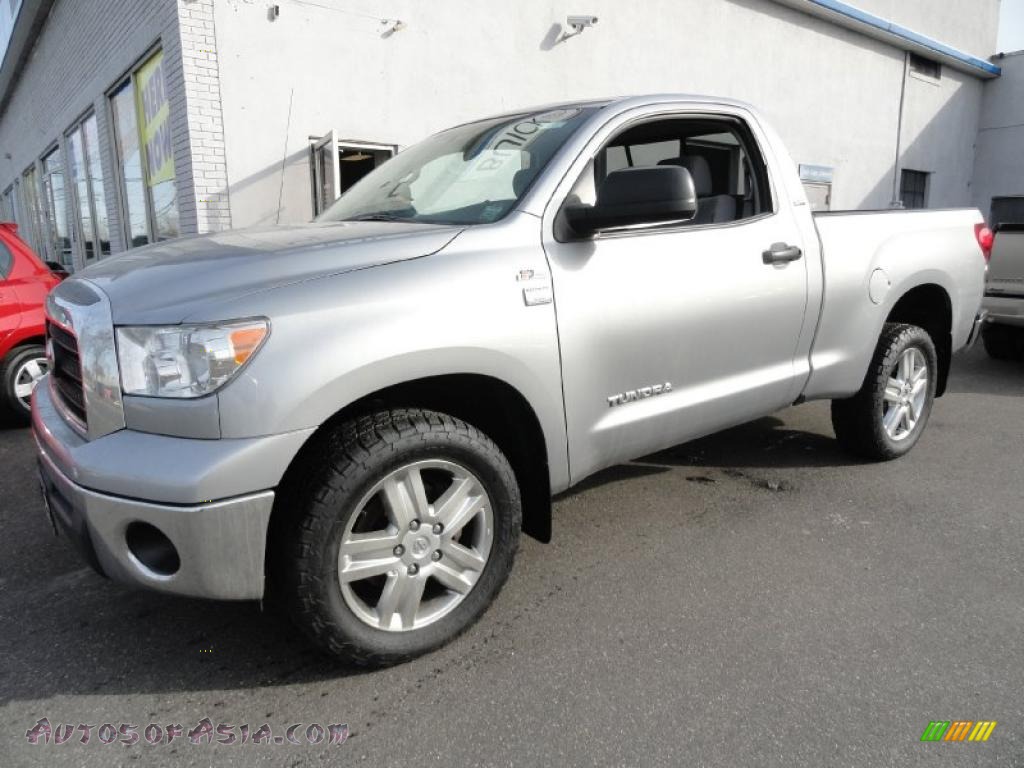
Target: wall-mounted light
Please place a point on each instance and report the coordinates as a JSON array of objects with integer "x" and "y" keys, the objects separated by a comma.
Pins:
[
  {"x": 577, "y": 24},
  {"x": 390, "y": 26},
  {"x": 273, "y": 12}
]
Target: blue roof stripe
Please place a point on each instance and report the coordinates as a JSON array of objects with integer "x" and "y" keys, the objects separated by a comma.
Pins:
[{"x": 910, "y": 36}]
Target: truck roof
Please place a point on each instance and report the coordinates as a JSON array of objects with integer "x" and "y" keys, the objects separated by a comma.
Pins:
[{"x": 621, "y": 102}]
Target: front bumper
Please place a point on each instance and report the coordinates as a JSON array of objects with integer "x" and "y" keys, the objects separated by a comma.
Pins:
[{"x": 210, "y": 499}]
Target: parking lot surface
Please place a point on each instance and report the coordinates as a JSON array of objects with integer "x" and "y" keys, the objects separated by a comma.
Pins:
[{"x": 755, "y": 598}]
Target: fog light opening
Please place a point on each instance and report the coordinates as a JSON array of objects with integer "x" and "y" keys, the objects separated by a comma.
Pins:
[{"x": 152, "y": 548}]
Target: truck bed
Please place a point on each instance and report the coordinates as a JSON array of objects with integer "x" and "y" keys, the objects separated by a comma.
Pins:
[{"x": 870, "y": 258}]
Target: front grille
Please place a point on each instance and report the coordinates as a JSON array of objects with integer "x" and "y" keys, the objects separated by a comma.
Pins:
[{"x": 67, "y": 371}]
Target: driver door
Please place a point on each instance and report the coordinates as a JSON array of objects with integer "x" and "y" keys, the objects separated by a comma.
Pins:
[{"x": 671, "y": 332}]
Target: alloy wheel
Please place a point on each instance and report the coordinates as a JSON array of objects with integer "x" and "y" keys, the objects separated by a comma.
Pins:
[
  {"x": 416, "y": 545},
  {"x": 26, "y": 377},
  {"x": 905, "y": 394}
]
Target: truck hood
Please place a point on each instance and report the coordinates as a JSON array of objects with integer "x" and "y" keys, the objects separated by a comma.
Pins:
[{"x": 167, "y": 282}]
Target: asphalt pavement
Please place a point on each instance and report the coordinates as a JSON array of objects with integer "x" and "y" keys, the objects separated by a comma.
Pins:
[{"x": 756, "y": 598}]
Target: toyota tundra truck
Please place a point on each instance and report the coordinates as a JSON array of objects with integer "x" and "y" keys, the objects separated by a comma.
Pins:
[{"x": 357, "y": 417}]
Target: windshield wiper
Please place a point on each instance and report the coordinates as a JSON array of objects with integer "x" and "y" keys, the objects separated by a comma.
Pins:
[{"x": 380, "y": 216}]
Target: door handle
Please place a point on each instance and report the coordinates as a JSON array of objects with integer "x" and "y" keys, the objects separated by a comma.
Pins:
[{"x": 780, "y": 253}]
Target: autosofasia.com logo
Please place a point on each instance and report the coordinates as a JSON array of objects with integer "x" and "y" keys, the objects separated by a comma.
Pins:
[{"x": 958, "y": 730}]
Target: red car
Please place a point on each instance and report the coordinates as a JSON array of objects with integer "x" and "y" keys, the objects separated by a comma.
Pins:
[{"x": 24, "y": 283}]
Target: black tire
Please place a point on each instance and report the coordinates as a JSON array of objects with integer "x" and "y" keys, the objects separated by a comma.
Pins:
[
  {"x": 10, "y": 403},
  {"x": 1003, "y": 342},
  {"x": 857, "y": 420},
  {"x": 352, "y": 459}
]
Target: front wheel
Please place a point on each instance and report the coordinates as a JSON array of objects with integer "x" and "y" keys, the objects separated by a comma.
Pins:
[
  {"x": 20, "y": 371},
  {"x": 885, "y": 419},
  {"x": 404, "y": 531}
]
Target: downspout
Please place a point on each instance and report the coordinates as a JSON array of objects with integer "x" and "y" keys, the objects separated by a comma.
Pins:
[{"x": 896, "y": 202}]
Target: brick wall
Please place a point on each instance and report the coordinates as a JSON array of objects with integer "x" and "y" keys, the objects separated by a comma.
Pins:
[
  {"x": 86, "y": 48},
  {"x": 201, "y": 84}
]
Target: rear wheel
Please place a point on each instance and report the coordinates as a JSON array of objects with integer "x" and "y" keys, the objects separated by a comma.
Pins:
[
  {"x": 885, "y": 419},
  {"x": 1003, "y": 342},
  {"x": 20, "y": 372},
  {"x": 403, "y": 534}
]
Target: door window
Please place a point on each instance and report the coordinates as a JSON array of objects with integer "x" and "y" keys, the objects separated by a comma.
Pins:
[{"x": 729, "y": 173}]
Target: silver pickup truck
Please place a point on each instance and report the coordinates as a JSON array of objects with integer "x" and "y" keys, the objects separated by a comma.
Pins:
[
  {"x": 358, "y": 416},
  {"x": 1003, "y": 334}
]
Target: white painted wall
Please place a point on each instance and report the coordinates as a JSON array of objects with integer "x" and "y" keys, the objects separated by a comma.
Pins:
[
  {"x": 833, "y": 94},
  {"x": 999, "y": 163},
  {"x": 971, "y": 26}
]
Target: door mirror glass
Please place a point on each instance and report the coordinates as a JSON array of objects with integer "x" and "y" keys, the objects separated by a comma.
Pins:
[{"x": 635, "y": 196}]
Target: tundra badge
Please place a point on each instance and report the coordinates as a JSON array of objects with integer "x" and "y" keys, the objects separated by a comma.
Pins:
[{"x": 639, "y": 394}]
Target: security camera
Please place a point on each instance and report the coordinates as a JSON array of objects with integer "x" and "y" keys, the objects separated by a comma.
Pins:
[{"x": 579, "y": 23}]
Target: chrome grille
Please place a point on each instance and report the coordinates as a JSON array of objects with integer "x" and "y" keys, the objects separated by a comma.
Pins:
[{"x": 66, "y": 371}]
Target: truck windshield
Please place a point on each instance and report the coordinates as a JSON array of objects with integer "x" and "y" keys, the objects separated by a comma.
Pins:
[{"x": 472, "y": 174}]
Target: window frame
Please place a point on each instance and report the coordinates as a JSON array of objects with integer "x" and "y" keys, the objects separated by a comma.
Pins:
[
  {"x": 76, "y": 219},
  {"x": 49, "y": 214},
  {"x": 925, "y": 177},
  {"x": 733, "y": 122},
  {"x": 921, "y": 67},
  {"x": 28, "y": 184},
  {"x": 128, "y": 78}
]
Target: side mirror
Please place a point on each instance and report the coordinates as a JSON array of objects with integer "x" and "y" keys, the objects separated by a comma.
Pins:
[{"x": 631, "y": 196}]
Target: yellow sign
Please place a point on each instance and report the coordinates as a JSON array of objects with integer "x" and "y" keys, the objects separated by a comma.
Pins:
[{"x": 151, "y": 106}]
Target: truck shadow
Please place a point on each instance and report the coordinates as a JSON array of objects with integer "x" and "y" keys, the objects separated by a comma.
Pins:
[
  {"x": 769, "y": 443},
  {"x": 106, "y": 640}
]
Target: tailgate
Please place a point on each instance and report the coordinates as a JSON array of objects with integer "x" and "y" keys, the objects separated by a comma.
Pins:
[{"x": 1006, "y": 269}]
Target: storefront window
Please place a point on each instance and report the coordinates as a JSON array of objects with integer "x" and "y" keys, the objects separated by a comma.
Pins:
[
  {"x": 30, "y": 219},
  {"x": 130, "y": 157},
  {"x": 7, "y": 205},
  {"x": 87, "y": 180},
  {"x": 143, "y": 135},
  {"x": 55, "y": 190}
]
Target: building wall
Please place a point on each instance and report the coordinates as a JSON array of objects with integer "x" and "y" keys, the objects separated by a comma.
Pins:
[
  {"x": 833, "y": 94},
  {"x": 972, "y": 26},
  {"x": 82, "y": 51},
  {"x": 77, "y": 57},
  {"x": 205, "y": 139},
  {"x": 999, "y": 161}
]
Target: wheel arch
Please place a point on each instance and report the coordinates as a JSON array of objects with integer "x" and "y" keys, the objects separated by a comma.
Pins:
[
  {"x": 490, "y": 404},
  {"x": 929, "y": 306},
  {"x": 14, "y": 344}
]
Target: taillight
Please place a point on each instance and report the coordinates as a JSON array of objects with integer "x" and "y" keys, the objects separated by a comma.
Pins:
[{"x": 985, "y": 240}]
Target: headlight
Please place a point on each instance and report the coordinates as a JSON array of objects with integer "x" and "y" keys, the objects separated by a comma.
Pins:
[{"x": 185, "y": 360}]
